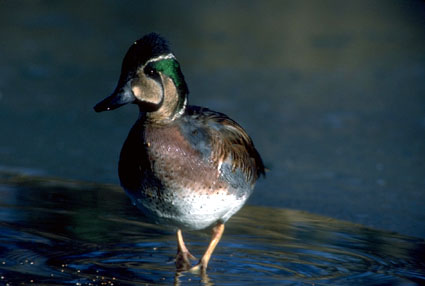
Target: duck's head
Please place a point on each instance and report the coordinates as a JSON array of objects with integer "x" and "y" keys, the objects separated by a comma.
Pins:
[{"x": 151, "y": 78}]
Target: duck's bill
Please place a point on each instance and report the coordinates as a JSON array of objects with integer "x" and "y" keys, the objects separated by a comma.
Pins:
[{"x": 114, "y": 101}]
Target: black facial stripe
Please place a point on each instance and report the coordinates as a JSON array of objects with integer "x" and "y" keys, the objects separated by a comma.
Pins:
[
  {"x": 151, "y": 72},
  {"x": 149, "y": 106}
]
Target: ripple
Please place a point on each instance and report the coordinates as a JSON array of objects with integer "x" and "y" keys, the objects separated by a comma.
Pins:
[{"x": 76, "y": 240}]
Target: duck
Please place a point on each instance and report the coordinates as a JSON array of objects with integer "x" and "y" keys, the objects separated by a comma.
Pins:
[{"x": 186, "y": 167}]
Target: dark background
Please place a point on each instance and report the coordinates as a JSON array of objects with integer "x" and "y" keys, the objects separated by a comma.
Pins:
[{"x": 332, "y": 93}]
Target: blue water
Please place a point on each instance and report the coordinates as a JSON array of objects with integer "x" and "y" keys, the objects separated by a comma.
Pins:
[
  {"x": 56, "y": 232},
  {"x": 332, "y": 93}
]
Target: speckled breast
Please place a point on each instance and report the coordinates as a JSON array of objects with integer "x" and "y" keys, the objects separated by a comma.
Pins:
[{"x": 180, "y": 185}]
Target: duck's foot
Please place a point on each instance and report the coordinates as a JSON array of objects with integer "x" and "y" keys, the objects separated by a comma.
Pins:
[
  {"x": 199, "y": 268},
  {"x": 203, "y": 263},
  {"x": 183, "y": 256},
  {"x": 183, "y": 259}
]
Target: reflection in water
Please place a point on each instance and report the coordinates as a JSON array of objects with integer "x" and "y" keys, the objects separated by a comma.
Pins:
[{"x": 61, "y": 232}]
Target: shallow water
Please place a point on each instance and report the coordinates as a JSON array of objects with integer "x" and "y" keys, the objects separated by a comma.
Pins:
[{"x": 55, "y": 232}]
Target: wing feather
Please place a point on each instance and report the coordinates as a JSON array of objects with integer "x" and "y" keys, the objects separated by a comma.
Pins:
[{"x": 230, "y": 141}]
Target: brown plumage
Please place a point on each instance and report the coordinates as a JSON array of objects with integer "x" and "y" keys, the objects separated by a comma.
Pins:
[
  {"x": 228, "y": 138},
  {"x": 184, "y": 166}
]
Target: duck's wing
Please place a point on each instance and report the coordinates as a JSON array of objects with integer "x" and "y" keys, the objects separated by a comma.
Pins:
[{"x": 228, "y": 142}]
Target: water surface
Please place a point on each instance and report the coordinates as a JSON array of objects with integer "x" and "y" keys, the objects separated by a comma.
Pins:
[{"x": 56, "y": 232}]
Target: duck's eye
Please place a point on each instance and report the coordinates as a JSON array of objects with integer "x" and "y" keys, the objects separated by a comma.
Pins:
[{"x": 150, "y": 71}]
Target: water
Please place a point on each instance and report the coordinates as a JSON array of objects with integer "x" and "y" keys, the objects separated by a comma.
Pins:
[
  {"x": 56, "y": 232},
  {"x": 332, "y": 93}
]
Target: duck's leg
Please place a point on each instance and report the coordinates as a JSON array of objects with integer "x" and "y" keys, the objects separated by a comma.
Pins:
[
  {"x": 183, "y": 255},
  {"x": 217, "y": 232}
]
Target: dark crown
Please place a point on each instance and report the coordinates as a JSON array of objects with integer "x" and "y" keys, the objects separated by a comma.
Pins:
[{"x": 148, "y": 47}]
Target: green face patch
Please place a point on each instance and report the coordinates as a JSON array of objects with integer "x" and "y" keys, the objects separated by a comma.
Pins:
[{"x": 171, "y": 68}]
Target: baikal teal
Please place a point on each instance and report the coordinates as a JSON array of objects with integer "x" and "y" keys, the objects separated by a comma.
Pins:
[{"x": 183, "y": 166}]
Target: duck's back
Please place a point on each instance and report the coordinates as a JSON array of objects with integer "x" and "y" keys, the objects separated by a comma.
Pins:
[{"x": 192, "y": 172}]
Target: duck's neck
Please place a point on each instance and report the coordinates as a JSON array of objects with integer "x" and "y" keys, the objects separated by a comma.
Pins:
[{"x": 173, "y": 106}]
